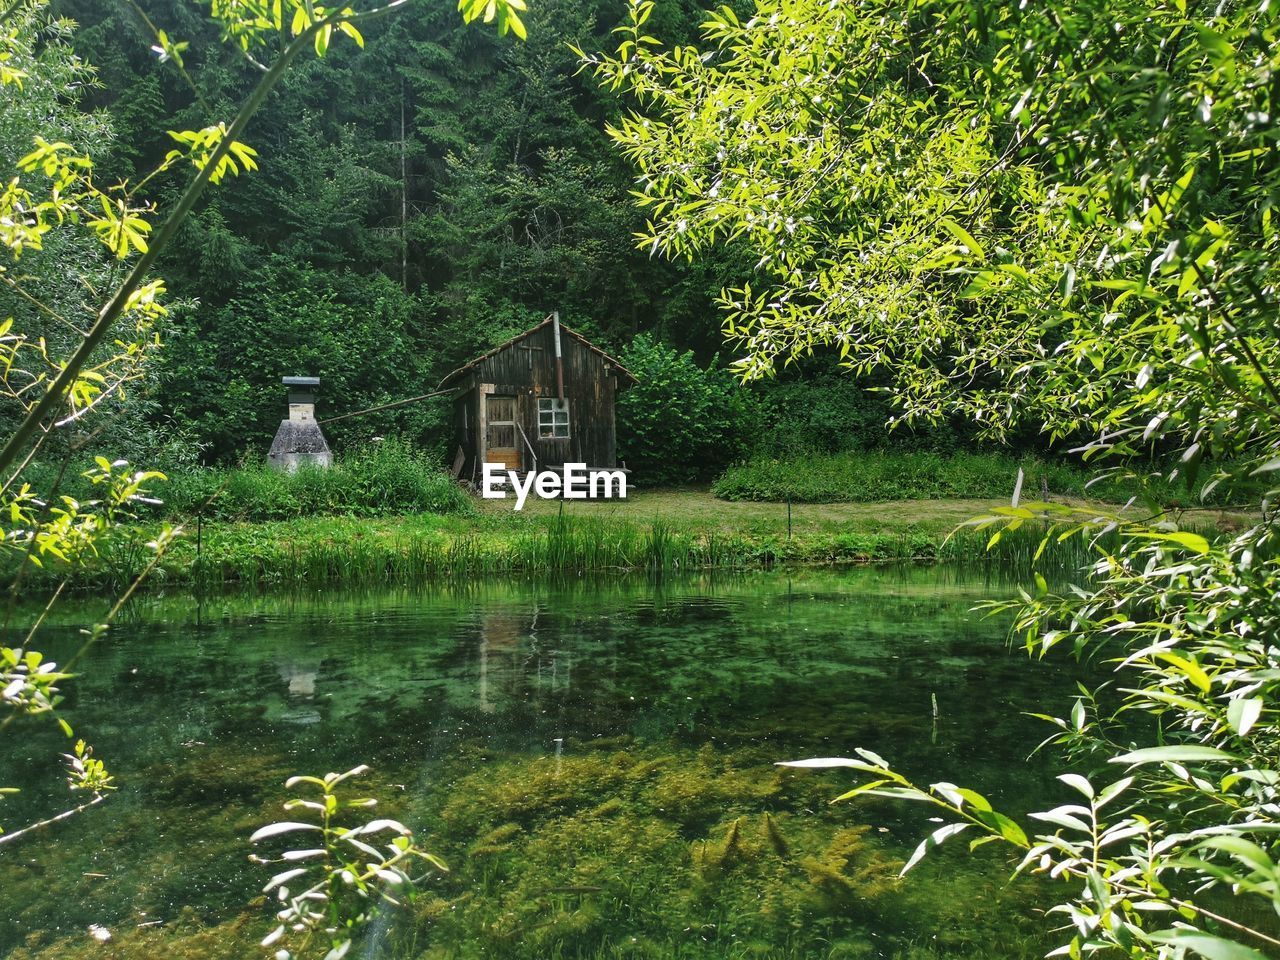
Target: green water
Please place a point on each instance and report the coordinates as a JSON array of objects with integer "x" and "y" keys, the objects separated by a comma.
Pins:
[{"x": 578, "y": 754}]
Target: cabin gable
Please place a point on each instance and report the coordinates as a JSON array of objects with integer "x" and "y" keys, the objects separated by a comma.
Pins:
[{"x": 507, "y": 404}]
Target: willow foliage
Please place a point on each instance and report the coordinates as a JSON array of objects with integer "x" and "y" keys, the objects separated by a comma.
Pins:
[{"x": 1047, "y": 214}]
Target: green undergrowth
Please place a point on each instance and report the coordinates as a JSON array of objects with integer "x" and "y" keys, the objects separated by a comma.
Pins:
[
  {"x": 383, "y": 479},
  {"x": 378, "y": 480},
  {"x": 865, "y": 477}
]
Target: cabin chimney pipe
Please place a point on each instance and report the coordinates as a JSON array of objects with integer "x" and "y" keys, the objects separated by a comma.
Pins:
[{"x": 555, "y": 325}]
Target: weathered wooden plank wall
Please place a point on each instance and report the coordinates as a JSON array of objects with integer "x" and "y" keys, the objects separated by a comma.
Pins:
[{"x": 526, "y": 369}]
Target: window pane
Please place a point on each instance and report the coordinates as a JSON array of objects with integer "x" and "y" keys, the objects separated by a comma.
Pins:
[{"x": 553, "y": 417}]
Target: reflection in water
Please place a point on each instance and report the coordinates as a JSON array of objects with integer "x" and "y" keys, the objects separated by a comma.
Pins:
[
  {"x": 512, "y": 662},
  {"x": 593, "y": 759},
  {"x": 301, "y": 690},
  {"x": 301, "y": 679}
]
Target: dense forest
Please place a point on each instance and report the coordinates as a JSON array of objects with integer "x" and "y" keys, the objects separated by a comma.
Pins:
[{"x": 419, "y": 200}]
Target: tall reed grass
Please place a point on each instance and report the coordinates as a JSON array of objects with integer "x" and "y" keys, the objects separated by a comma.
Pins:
[
  {"x": 384, "y": 478},
  {"x": 567, "y": 545},
  {"x": 561, "y": 547}
]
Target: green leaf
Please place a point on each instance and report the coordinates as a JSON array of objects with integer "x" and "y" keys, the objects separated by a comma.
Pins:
[
  {"x": 284, "y": 877},
  {"x": 1207, "y": 945},
  {"x": 275, "y": 829},
  {"x": 1068, "y": 816},
  {"x": 963, "y": 235},
  {"x": 516, "y": 25},
  {"x": 1003, "y": 826},
  {"x": 350, "y": 30},
  {"x": 1192, "y": 541},
  {"x": 1243, "y": 714},
  {"x": 1245, "y": 851},
  {"x": 860, "y": 789},
  {"x": 1178, "y": 754},
  {"x": 1113, "y": 790},
  {"x": 872, "y": 757},
  {"x": 935, "y": 839},
  {"x": 1215, "y": 44},
  {"x": 1078, "y": 783},
  {"x": 1189, "y": 668},
  {"x": 824, "y": 763}
]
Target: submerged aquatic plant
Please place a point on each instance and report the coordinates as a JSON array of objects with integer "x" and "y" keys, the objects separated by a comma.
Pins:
[
  {"x": 658, "y": 851},
  {"x": 344, "y": 880}
]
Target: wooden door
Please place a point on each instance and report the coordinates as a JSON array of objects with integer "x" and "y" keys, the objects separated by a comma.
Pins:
[{"x": 501, "y": 436}]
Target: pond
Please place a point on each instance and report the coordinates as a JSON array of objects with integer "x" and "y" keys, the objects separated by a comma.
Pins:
[{"x": 593, "y": 760}]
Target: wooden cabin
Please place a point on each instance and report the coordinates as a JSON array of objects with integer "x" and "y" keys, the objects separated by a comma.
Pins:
[{"x": 542, "y": 399}]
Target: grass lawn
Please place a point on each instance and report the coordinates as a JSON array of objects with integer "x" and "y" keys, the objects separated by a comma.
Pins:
[{"x": 696, "y": 509}]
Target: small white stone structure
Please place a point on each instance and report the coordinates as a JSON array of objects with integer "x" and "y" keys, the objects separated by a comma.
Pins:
[{"x": 300, "y": 440}]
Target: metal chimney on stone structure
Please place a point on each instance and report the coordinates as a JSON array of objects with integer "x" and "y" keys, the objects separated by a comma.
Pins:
[{"x": 299, "y": 440}]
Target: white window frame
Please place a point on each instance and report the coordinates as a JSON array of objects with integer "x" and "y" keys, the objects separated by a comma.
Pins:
[{"x": 554, "y": 413}]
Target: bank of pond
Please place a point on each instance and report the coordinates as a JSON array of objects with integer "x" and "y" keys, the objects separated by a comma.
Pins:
[
  {"x": 593, "y": 759},
  {"x": 387, "y": 514},
  {"x": 413, "y": 550}
]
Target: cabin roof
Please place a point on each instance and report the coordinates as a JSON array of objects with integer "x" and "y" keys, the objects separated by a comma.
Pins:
[{"x": 471, "y": 365}]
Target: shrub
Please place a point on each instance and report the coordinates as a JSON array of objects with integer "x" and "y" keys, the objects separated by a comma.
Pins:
[
  {"x": 389, "y": 477},
  {"x": 881, "y": 475},
  {"x": 829, "y": 411},
  {"x": 871, "y": 476},
  {"x": 680, "y": 422},
  {"x": 359, "y": 334}
]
